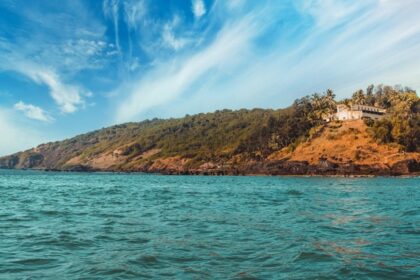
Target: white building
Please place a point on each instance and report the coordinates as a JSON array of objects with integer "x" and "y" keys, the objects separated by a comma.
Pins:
[{"x": 357, "y": 112}]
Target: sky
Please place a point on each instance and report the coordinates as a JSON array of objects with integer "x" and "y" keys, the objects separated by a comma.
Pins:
[{"x": 71, "y": 66}]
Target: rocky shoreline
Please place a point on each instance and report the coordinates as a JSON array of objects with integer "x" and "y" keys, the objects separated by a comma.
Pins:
[
  {"x": 287, "y": 168},
  {"x": 268, "y": 168}
]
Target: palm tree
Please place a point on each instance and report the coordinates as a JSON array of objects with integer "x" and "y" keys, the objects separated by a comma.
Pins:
[
  {"x": 359, "y": 98},
  {"x": 329, "y": 99},
  {"x": 322, "y": 105}
]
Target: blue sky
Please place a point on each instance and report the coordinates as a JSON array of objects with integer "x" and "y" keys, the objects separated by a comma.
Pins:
[{"x": 68, "y": 67}]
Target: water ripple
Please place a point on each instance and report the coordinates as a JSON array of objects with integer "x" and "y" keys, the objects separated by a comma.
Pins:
[{"x": 133, "y": 226}]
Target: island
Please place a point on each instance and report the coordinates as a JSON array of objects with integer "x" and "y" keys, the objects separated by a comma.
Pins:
[{"x": 376, "y": 132}]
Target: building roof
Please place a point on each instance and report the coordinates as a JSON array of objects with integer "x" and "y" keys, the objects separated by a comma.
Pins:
[{"x": 366, "y": 108}]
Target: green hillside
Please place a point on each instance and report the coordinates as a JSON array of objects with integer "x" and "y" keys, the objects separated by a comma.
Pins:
[{"x": 223, "y": 137}]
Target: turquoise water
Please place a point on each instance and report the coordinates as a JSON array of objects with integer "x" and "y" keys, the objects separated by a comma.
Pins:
[{"x": 120, "y": 226}]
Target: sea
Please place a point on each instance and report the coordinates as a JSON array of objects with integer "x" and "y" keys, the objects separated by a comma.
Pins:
[{"x": 137, "y": 226}]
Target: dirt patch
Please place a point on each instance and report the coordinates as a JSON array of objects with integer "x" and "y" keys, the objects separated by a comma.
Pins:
[{"x": 102, "y": 161}]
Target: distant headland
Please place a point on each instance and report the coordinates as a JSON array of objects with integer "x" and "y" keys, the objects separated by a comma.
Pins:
[{"x": 375, "y": 132}]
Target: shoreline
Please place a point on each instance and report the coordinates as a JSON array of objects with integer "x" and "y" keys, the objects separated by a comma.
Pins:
[{"x": 206, "y": 174}]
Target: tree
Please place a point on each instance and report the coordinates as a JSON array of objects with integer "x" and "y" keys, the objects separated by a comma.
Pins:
[
  {"x": 359, "y": 98},
  {"x": 321, "y": 105},
  {"x": 329, "y": 99},
  {"x": 382, "y": 131},
  {"x": 402, "y": 122},
  {"x": 370, "y": 99}
]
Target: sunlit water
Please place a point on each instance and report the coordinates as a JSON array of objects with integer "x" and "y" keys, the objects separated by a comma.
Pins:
[{"x": 119, "y": 226}]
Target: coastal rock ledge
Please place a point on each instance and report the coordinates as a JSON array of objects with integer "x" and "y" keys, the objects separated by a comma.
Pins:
[{"x": 275, "y": 168}]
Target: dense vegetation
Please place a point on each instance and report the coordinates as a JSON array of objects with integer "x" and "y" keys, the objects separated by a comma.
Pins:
[
  {"x": 402, "y": 121},
  {"x": 290, "y": 126}
]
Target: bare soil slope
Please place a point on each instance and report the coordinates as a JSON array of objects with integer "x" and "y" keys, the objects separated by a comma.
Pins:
[{"x": 346, "y": 143}]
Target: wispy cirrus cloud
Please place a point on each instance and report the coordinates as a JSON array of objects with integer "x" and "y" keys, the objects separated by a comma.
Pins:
[
  {"x": 135, "y": 12},
  {"x": 329, "y": 13},
  {"x": 111, "y": 10},
  {"x": 169, "y": 81},
  {"x": 33, "y": 112}
]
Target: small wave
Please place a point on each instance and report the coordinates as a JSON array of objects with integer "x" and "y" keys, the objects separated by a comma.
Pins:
[
  {"x": 148, "y": 259},
  {"x": 139, "y": 241},
  {"x": 314, "y": 256},
  {"x": 33, "y": 261},
  {"x": 52, "y": 213},
  {"x": 411, "y": 213},
  {"x": 245, "y": 275},
  {"x": 294, "y": 192},
  {"x": 145, "y": 261}
]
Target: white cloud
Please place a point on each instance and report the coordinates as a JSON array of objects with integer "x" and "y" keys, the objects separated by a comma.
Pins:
[
  {"x": 134, "y": 64},
  {"x": 16, "y": 136},
  {"x": 67, "y": 97},
  {"x": 169, "y": 38},
  {"x": 135, "y": 12},
  {"x": 76, "y": 55},
  {"x": 171, "y": 41},
  {"x": 33, "y": 112},
  {"x": 198, "y": 8}
]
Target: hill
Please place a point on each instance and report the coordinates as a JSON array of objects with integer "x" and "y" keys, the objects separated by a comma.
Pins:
[{"x": 293, "y": 141}]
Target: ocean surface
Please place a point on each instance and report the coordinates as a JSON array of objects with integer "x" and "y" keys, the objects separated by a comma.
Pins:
[{"x": 134, "y": 226}]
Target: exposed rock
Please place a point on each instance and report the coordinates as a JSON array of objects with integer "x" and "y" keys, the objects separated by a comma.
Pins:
[
  {"x": 404, "y": 167},
  {"x": 79, "y": 168}
]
